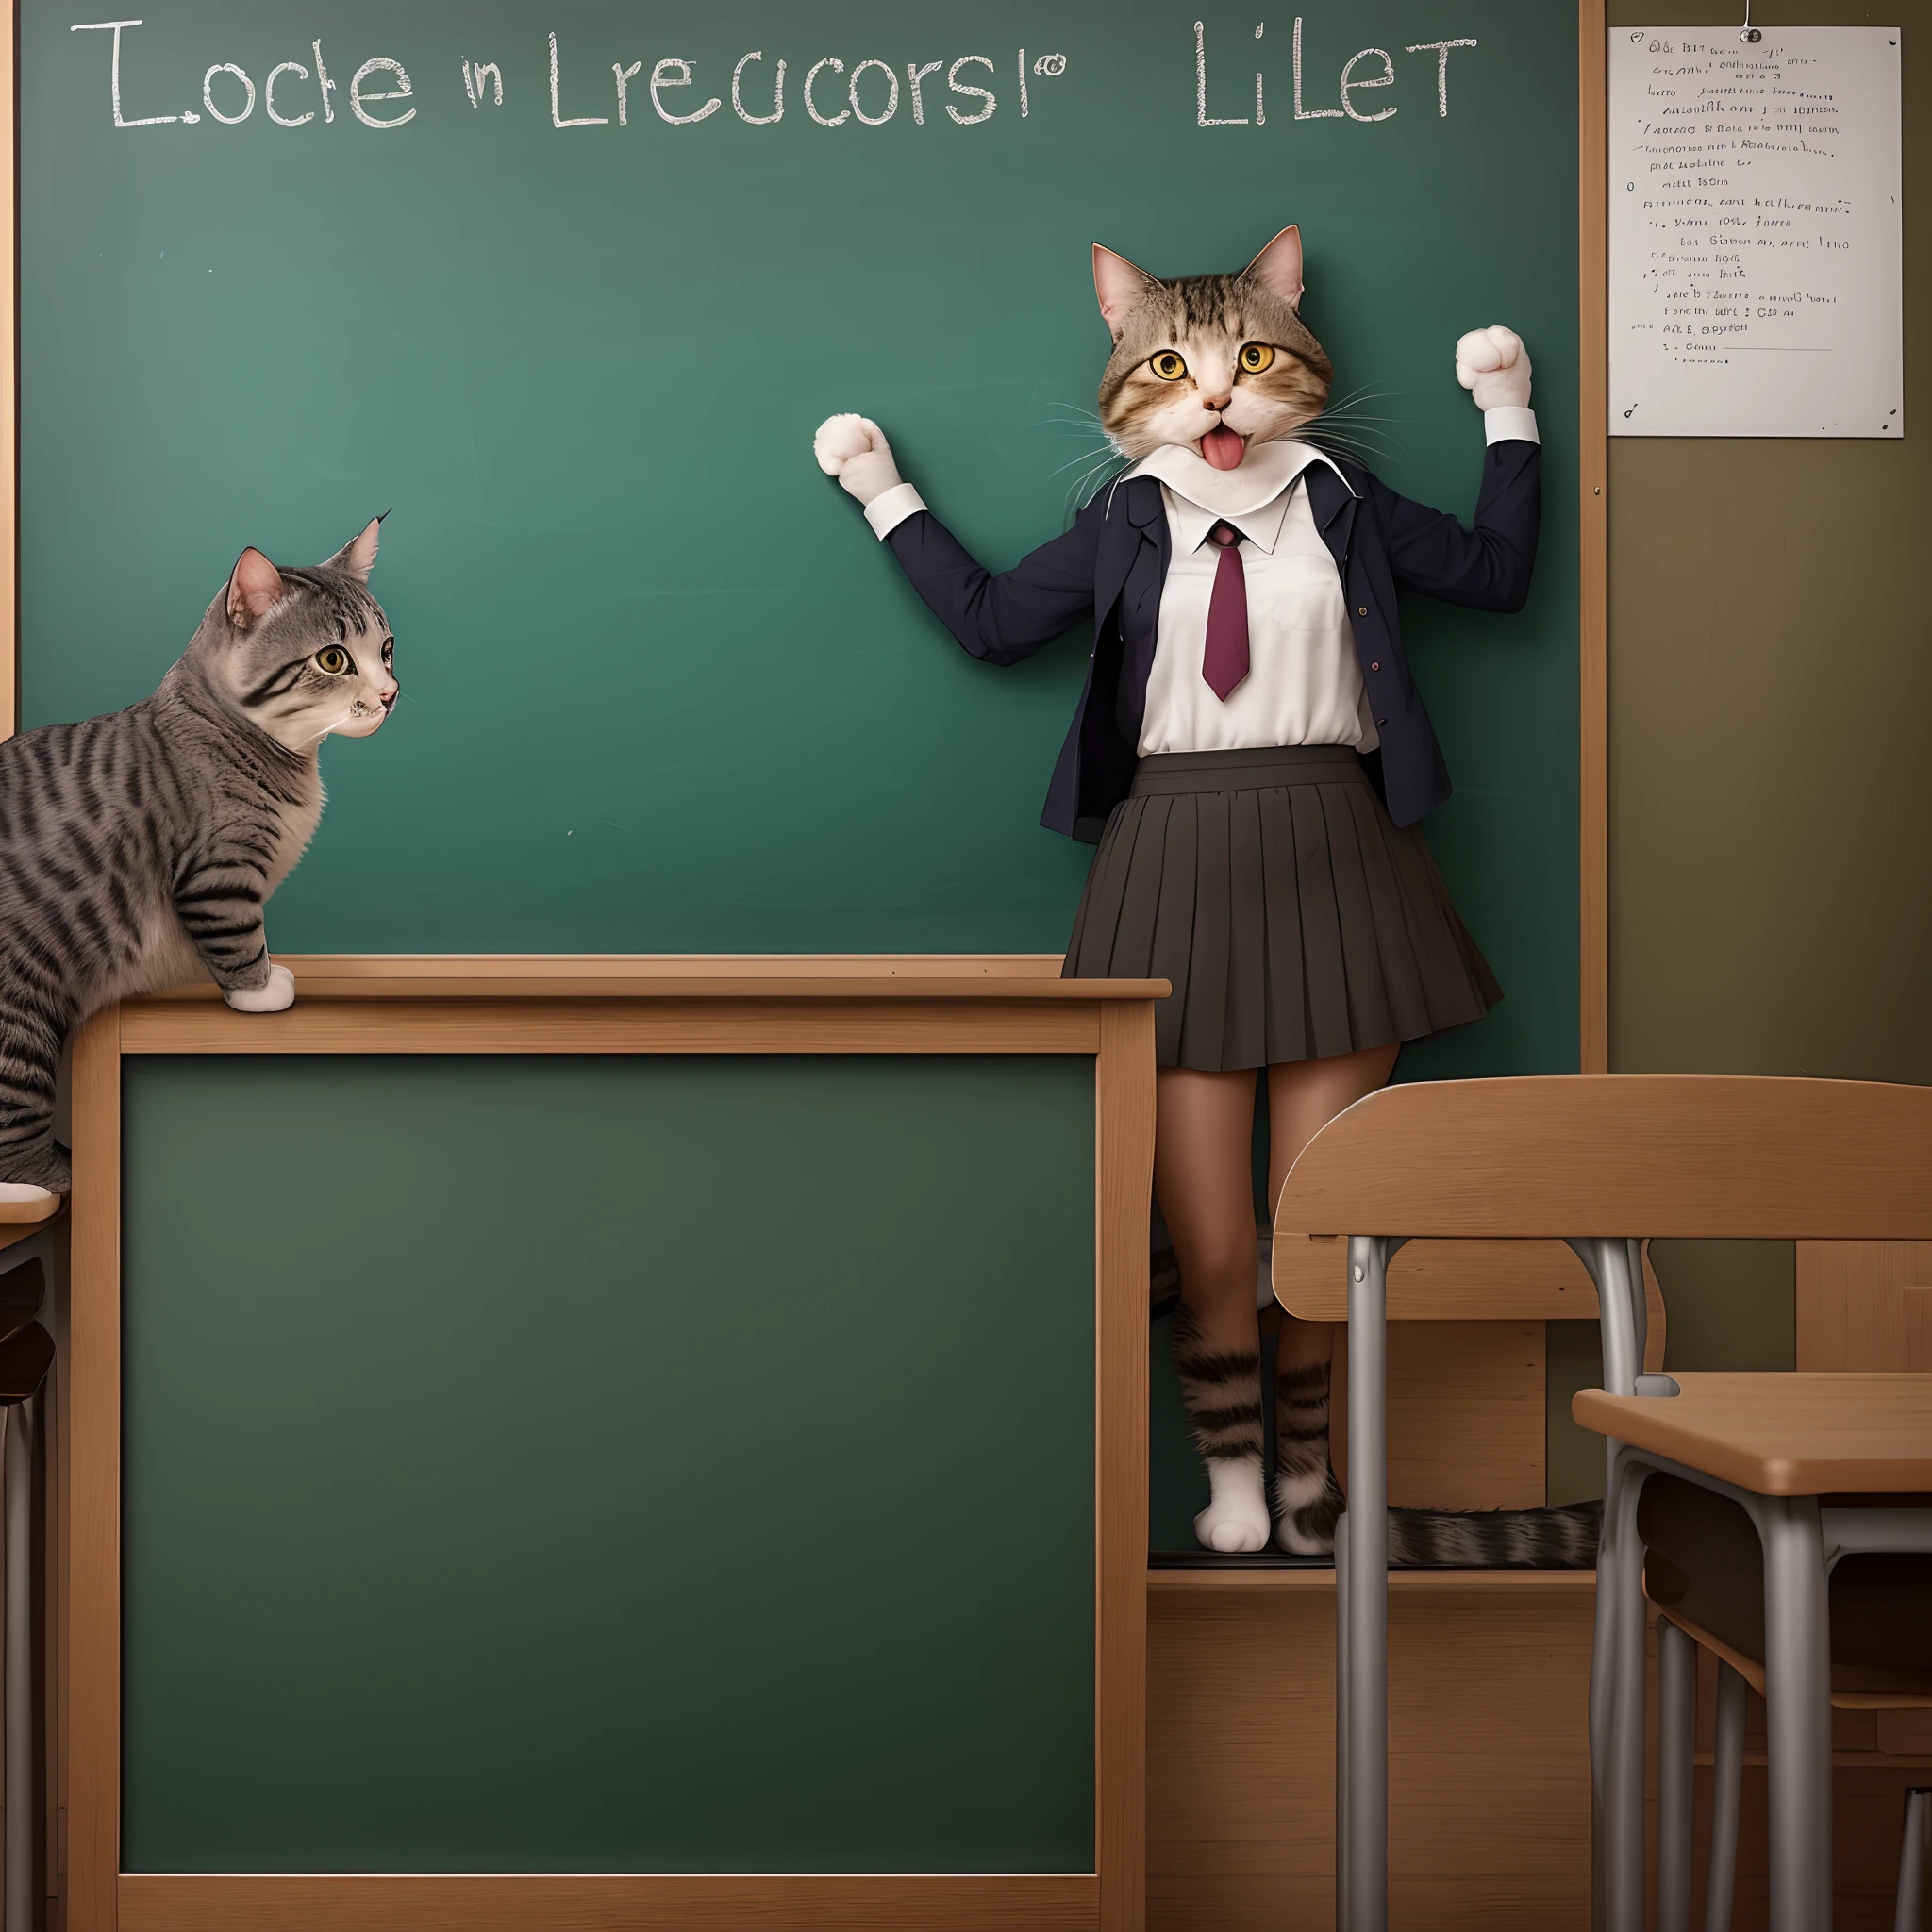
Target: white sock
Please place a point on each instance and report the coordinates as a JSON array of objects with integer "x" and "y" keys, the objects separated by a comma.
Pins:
[{"x": 1236, "y": 1521}]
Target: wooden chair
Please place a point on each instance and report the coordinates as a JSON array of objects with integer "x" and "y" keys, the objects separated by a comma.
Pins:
[{"x": 1600, "y": 1162}]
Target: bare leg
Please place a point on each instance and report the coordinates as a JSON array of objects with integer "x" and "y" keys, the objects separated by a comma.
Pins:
[
  {"x": 1311, "y": 1411},
  {"x": 1204, "y": 1131}
]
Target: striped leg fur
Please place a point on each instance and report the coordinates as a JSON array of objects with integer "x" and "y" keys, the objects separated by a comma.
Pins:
[
  {"x": 1306, "y": 1498},
  {"x": 1222, "y": 1389}
]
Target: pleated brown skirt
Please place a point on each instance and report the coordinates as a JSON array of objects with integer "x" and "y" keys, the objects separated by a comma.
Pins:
[{"x": 1294, "y": 918}]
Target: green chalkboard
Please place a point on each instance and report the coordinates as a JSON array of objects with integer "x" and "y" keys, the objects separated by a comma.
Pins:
[
  {"x": 608, "y": 1464},
  {"x": 661, "y": 690}
]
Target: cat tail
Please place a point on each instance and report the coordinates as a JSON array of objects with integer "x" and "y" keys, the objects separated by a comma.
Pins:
[{"x": 1563, "y": 1539}]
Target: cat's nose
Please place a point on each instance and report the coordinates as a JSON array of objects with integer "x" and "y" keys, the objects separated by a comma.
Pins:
[
  {"x": 1216, "y": 402},
  {"x": 389, "y": 697}
]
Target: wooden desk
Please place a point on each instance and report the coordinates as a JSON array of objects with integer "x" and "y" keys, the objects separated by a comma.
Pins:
[
  {"x": 1602, "y": 1163},
  {"x": 1801, "y": 1435},
  {"x": 412, "y": 1582}
]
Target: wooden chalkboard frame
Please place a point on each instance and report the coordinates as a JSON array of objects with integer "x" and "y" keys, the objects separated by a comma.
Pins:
[
  {"x": 1593, "y": 1017},
  {"x": 1593, "y": 489},
  {"x": 612, "y": 1004}
]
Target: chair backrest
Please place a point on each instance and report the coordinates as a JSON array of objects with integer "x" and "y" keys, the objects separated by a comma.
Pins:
[
  {"x": 1688, "y": 1156},
  {"x": 1456, "y": 1281}
]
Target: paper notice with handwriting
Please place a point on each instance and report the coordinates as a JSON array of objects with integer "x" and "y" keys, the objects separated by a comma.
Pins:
[{"x": 1754, "y": 233}]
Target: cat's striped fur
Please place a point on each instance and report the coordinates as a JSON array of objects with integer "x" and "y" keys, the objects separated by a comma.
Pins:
[
  {"x": 1221, "y": 1393},
  {"x": 138, "y": 850},
  {"x": 1222, "y": 1390}
]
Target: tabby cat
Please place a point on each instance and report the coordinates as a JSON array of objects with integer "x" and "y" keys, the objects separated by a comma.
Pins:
[{"x": 137, "y": 850}]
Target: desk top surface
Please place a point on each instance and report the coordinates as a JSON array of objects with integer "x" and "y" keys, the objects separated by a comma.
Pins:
[
  {"x": 1030, "y": 977},
  {"x": 1797, "y": 1435}
]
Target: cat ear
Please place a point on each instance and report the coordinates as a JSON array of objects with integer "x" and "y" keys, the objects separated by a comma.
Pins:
[
  {"x": 255, "y": 588},
  {"x": 1278, "y": 267},
  {"x": 1120, "y": 286},
  {"x": 356, "y": 558}
]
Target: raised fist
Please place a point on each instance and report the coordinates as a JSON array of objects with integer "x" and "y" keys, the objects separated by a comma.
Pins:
[
  {"x": 855, "y": 450},
  {"x": 1494, "y": 366}
]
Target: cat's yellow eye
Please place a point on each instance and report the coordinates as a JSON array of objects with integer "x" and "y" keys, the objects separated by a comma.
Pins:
[
  {"x": 333, "y": 659},
  {"x": 1168, "y": 366},
  {"x": 1256, "y": 356}
]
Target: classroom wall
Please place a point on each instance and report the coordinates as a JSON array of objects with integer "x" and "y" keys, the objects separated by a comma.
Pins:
[{"x": 1771, "y": 826}]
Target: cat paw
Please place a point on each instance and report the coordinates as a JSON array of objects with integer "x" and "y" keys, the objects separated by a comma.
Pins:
[
  {"x": 275, "y": 996},
  {"x": 25, "y": 1196},
  {"x": 41, "y": 1174},
  {"x": 1308, "y": 1514},
  {"x": 855, "y": 450},
  {"x": 1494, "y": 366},
  {"x": 1235, "y": 1521}
]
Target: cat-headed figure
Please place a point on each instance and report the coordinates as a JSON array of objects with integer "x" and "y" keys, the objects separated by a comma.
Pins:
[
  {"x": 1252, "y": 743},
  {"x": 138, "y": 850}
]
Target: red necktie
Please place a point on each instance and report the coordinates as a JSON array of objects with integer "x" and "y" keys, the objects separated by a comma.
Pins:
[{"x": 1225, "y": 662}]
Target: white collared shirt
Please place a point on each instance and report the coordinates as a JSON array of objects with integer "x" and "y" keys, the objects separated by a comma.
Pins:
[{"x": 1305, "y": 683}]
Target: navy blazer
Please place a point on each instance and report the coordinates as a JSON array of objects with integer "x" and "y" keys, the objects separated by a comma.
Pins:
[{"x": 1110, "y": 567}]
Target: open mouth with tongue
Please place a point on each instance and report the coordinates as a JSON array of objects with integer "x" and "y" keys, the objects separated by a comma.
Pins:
[{"x": 1225, "y": 447}]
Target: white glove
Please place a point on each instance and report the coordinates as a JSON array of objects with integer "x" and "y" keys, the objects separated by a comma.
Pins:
[
  {"x": 1492, "y": 364},
  {"x": 855, "y": 450}
]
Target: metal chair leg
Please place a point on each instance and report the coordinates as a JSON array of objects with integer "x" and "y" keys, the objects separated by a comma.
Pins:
[
  {"x": 1619, "y": 1309},
  {"x": 1625, "y": 1876},
  {"x": 1365, "y": 1850},
  {"x": 1797, "y": 1682},
  {"x": 1342, "y": 1683},
  {"x": 1602, "y": 1682},
  {"x": 1726, "y": 1783},
  {"x": 1912, "y": 1860},
  {"x": 1676, "y": 1746}
]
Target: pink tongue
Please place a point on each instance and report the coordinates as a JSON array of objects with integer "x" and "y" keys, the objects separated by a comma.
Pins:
[{"x": 1223, "y": 448}]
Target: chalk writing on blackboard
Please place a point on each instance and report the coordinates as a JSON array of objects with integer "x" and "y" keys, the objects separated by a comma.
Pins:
[
  {"x": 966, "y": 90},
  {"x": 1754, "y": 233}
]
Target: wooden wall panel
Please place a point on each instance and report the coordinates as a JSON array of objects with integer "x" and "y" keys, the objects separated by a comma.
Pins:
[
  {"x": 1488, "y": 1822},
  {"x": 1466, "y": 1415},
  {"x": 1865, "y": 1305}
]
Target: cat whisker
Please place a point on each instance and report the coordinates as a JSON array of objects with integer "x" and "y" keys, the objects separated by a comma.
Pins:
[
  {"x": 1345, "y": 434},
  {"x": 1098, "y": 476},
  {"x": 1111, "y": 460},
  {"x": 1346, "y": 439},
  {"x": 1089, "y": 454},
  {"x": 1364, "y": 425},
  {"x": 1363, "y": 395}
]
